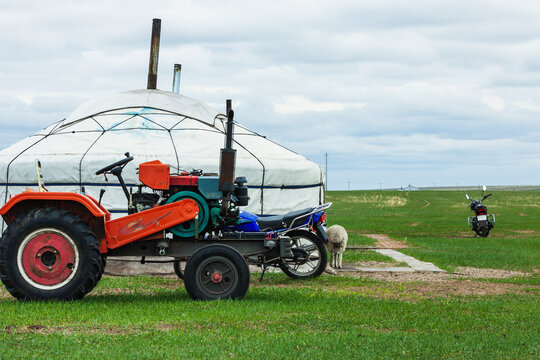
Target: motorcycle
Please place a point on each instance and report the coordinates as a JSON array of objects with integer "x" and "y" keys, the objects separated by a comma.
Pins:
[
  {"x": 306, "y": 228},
  {"x": 482, "y": 221}
]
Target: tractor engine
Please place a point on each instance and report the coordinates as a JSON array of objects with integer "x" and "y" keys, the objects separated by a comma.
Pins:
[
  {"x": 217, "y": 197},
  {"x": 196, "y": 186}
]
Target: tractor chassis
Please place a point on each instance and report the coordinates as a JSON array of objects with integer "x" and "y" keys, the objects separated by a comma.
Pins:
[{"x": 182, "y": 249}]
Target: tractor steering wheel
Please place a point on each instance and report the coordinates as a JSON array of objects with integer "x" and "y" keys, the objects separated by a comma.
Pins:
[{"x": 118, "y": 163}]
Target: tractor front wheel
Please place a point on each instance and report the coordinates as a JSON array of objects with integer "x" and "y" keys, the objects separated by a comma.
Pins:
[
  {"x": 48, "y": 254},
  {"x": 178, "y": 269},
  {"x": 216, "y": 272}
]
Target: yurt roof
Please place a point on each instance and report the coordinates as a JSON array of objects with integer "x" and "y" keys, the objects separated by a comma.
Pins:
[{"x": 156, "y": 99}]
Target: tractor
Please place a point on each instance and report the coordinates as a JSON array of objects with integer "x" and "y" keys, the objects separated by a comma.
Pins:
[{"x": 56, "y": 243}]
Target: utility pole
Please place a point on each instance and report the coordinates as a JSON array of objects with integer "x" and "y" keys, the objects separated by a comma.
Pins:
[{"x": 326, "y": 170}]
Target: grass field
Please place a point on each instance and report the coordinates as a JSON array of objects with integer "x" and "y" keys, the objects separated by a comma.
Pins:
[
  {"x": 434, "y": 224},
  {"x": 331, "y": 317}
]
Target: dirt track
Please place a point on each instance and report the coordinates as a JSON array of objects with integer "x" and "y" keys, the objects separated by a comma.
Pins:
[{"x": 384, "y": 242}]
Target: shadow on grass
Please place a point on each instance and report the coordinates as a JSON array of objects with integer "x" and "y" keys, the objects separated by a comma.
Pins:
[{"x": 255, "y": 294}]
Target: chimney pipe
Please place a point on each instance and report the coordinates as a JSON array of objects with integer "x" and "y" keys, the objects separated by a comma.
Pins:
[
  {"x": 176, "y": 78},
  {"x": 154, "y": 54}
]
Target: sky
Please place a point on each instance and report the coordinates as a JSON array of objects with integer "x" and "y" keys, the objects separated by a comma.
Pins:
[{"x": 428, "y": 93}]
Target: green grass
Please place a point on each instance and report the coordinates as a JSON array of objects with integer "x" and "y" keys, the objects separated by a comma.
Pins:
[
  {"x": 355, "y": 256},
  {"x": 358, "y": 239},
  {"x": 331, "y": 317},
  {"x": 324, "y": 318},
  {"x": 497, "y": 253},
  {"x": 434, "y": 225}
]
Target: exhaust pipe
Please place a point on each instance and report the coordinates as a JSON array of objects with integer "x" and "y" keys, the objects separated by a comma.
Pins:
[
  {"x": 226, "y": 166},
  {"x": 228, "y": 156}
]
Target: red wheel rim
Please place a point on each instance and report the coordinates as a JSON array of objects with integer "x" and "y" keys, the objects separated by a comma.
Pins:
[
  {"x": 217, "y": 277},
  {"x": 48, "y": 258}
]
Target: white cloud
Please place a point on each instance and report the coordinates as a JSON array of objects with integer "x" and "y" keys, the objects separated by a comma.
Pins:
[
  {"x": 494, "y": 102},
  {"x": 409, "y": 86},
  {"x": 298, "y": 104},
  {"x": 527, "y": 105}
]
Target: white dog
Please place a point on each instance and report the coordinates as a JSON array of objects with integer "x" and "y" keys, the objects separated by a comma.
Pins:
[{"x": 337, "y": 242}]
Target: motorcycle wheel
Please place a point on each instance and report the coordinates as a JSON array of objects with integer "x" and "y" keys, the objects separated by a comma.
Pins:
[
  {"x": 310, "y": 258},
  {"x": 482, "y": 232}
]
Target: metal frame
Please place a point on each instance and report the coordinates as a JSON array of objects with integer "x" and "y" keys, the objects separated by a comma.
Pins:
[
  {"x": 184, "y": 248},
  {"x": 315, "y": 210},
  {"x": 490, "y": 218}
]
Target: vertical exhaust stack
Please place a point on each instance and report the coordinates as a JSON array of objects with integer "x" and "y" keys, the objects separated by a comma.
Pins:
[
  {"x": 227, "y": 163},
  {"x": 176, "y": 78},
  {"x": 154, "y": 54},
  {"x": 228, "y": 156}
]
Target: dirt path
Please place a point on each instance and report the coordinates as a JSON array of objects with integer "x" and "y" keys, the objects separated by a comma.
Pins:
[
  {"x": 384, "y": 242},
  {"x": 460, "y": 273},
  {"x": 413, "y": 290}
]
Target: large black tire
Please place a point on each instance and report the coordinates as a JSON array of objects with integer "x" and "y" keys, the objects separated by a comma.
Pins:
[
  {"x": 216, "y": 272},
  {"x": 49, "y": 254},
  {"x": 103, "y": 264},
  {"x": 178, "y": 269},
  {"x": 483, "y": 232},
  {"x": 310, "y": 258}
]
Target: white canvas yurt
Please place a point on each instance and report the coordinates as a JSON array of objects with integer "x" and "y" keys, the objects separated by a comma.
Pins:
[{"x": 155, "y": 125}]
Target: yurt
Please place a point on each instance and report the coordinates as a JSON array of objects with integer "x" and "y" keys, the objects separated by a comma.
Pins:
[{"x": 155, "y": 125}]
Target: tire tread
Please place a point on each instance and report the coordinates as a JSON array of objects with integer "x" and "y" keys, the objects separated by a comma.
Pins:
[{"x": 40, "y": 217}]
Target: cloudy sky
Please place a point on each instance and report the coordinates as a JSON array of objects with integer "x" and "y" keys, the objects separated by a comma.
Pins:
[{"x": 396, "y": 92}]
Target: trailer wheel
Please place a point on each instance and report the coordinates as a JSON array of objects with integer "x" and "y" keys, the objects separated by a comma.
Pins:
[
  {"x": 216, "y": 272},
  {"x": 310, "y": 256},
  {"x": 49, "y": 253}
]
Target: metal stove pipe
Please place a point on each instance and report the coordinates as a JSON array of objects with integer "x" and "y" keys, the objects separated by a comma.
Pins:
[
  {"x": 154, "y": 54},
  {"x": 176, "y": 78}
]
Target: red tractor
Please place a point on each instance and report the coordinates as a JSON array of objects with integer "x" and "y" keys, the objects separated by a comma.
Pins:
[{"x": 56, "y": 243}]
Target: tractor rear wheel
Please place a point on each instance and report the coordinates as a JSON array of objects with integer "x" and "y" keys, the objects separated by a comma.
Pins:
[
  {"x": 216, "y": 272},
  {"x": 49, "y": 253},
  {"x": 103, "y": 263}
]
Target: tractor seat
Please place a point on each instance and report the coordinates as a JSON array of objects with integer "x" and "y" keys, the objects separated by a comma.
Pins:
[{"x": 277, "y": 222}]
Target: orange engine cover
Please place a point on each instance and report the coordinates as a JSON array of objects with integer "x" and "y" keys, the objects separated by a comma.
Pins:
[
  {"x": 155, "y": 175},
  {"x": 136, "y": 226}
]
